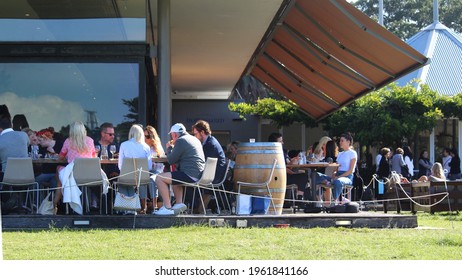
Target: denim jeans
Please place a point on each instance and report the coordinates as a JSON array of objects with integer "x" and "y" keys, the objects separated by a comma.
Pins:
[{"x": 340, "y": 182}]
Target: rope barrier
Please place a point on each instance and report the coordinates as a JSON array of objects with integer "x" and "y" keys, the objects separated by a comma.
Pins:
[{"x": 392, "y": 180}]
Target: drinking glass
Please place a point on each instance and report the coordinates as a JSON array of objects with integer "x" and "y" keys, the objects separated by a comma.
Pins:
[
  {"x": 112, "y": 149},
  {"x": 104, "y": 153},
  {"x": 97, "y": 149}
]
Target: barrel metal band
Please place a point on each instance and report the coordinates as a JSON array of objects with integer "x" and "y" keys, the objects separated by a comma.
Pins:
[
  {"x": 258, "y": 166},
  {"x": 269, "y": 151}
]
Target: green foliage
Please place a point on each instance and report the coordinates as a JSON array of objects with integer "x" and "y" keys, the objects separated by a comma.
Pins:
[
  {"x": 405, "y": 18},
  {"x": 387, "y": 115},
  {"x": 281, "y": 112}
]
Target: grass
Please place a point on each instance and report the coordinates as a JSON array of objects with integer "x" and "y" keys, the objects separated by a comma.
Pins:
[{"x": 439, "y": 237}]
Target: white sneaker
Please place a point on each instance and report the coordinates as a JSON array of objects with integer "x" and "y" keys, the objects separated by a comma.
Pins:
[
  {"x": 164, "y": 211},
  {"x": 179, "y": 208}
]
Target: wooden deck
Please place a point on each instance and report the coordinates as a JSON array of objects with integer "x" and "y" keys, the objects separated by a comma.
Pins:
[{"x": 365, "y": 219}]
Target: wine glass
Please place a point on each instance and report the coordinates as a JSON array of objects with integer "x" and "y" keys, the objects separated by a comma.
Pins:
[
  {"x": 97, "y": 149},
  {"x": 112, "y": 149}
]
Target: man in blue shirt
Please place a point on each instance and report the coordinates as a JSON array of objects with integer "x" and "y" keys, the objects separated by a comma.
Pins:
[{"x": 212, "y": 148}]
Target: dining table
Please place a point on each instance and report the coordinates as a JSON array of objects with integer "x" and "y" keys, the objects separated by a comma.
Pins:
[
  {"x": 313, "y": 167},
  {"x": 103, "y": 161}
]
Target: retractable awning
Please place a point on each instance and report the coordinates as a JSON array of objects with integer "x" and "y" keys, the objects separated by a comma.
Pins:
[{"x": 323, "y": 54}]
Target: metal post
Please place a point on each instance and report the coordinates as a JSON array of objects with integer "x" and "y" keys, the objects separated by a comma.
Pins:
[{"x": 164, "y": 104}]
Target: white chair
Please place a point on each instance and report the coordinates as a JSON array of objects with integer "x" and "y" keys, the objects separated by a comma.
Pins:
[
  {"x": 87, "y": 173},
  {"x": 20, "y": 172},
  {"x": 134, "y": 172},
  {"x": 253, "y": 187},
  {"x": 221, "y": 189},
  {"x": 205, "y": 181}
]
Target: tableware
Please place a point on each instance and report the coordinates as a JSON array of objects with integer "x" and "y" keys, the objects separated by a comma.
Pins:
[
  {"x": 97, "y": 149},
  {"x": 112, "y": 149}
]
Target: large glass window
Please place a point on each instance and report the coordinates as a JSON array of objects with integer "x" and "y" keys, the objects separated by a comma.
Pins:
[
  {"x": 56, "y": 94},
  {"x": 73, "y": 30}
]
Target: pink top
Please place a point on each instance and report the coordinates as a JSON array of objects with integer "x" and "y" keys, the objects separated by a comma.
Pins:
[{"x": 72, "y": 154}]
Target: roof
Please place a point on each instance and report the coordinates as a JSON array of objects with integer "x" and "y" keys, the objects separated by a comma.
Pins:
[
  {"x": 444, "y": 48},
  {"x": 325, "y": 54}
]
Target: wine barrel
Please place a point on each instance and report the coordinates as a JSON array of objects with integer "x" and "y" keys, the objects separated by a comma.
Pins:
[{"x": 253, "y": 165}]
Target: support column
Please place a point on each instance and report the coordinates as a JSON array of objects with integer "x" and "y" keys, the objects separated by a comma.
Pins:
[
  {"x": 164, "y": 101},
  {"x": 432, "y": 146}
]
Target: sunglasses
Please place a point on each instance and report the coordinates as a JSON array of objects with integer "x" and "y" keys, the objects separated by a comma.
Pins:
[
  {"x": 147, "y": 136},
  {"x": 110, "y": 134}
]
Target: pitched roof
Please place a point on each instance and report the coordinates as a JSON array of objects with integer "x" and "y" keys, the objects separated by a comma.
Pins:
[{"x": 443, "y": 47}]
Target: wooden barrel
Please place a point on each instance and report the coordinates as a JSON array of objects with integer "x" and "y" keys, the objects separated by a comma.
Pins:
[{"x": 253, "y": 164}]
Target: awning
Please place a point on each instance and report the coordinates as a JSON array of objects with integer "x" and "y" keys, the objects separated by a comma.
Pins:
[{"x": 323, "y": 54}]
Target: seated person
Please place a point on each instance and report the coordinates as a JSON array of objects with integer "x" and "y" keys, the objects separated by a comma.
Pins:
[
  {"x": 46, "y": 172},
  {"x": 296, "y": 176},
  {"x": 437, "y": 174},
  {"x": 48, "y": 144}
]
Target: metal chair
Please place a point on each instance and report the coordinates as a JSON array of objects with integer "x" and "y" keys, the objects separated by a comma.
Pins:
[
  {"x": 205, "y": 181},
  {"x": 329, "y": 171},
  {"x": 20, "y": 172},
  {"x": 253, "y": 187},
  {"x": 221, "y": 187},
  {"x": 134, "y": 172},
  {"x": 87, "y": 173}
]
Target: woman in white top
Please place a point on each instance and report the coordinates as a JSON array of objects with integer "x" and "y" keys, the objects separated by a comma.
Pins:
[
  {"x": 347, "y": 163},
  {"x": 135, "y": 147}
]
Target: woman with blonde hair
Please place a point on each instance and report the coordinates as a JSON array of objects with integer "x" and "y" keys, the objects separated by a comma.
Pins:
[
  {"x": 135, "y": 147},
  {"x": 437, "y": 174},
  {"x": 153, "y": 141},
  {"x": 77, "y": 145},
  {"x": 320, "y": 150}
]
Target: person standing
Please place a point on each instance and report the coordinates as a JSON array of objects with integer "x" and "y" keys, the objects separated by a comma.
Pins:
[
  {"x": 446, "y": 160},
  {"x": 409, "y": 160},
  {"x": 454, "y": 172},
  {"x": 397, "y": 161},
  {"x": 212, "y": 148},
  {"x": 425, "y": 165},
  {"x": 185, "y": 151},
  {"x": 383, "y": 171}
]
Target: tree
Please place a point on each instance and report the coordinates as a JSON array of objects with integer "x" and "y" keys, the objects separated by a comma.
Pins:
[
  {"x": 281, "y": 112},
  {"x": 130, "y": 118},
  {"x": 405, "y": 18},
  {"x": 387, "y": 115}
]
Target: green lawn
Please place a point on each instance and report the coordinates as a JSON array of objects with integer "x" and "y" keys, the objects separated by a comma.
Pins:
[{"x": 439, "y": 237}]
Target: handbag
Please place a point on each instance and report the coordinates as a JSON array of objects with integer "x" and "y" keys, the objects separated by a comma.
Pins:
[
  {"x": 125, "y": 202},
  {"x": 46, "y": 207},
  {"x": 405, "y": 171}
]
